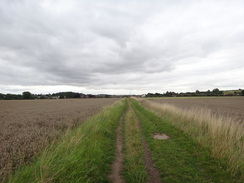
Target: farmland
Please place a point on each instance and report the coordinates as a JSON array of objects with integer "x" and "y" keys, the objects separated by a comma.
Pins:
[
  {"x": 135, "y": 140},
  {"x": 222, "y": 106},
  {"x": 27, "y": 126}
]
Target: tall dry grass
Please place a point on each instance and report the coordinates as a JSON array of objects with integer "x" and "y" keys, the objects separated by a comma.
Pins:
[{"x": 223, "y": 135}]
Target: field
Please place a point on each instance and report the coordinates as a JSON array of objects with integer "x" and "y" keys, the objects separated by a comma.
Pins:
[
  {"x": 27, "y": 126},
  {"x": 132, "y": 140},
  {"x": 223, "y": 106}
]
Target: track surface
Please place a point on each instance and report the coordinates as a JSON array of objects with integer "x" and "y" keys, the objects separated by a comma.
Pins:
[{"x": 117, "y": 166}]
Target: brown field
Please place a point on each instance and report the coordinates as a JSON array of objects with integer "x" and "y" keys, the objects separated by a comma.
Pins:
[
  {"x": 228, "y": 106},
  {"x": 27, "y": 126}
]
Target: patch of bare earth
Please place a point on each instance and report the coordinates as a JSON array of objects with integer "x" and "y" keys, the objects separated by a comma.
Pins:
[
  {"x": 117, "y": 165},
  {"x": 27, "y": 126},
  {"x": 160, "y": 136}
]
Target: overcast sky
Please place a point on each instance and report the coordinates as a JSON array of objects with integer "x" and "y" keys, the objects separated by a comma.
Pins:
[{"x": 121, "y": 46}]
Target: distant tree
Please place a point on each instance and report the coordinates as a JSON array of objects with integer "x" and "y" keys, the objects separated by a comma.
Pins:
[
  {"x": 12, "y": 97},
  {"x": 26, "y": 95},
  {"x": 216, "y": 92},
  {"x": 158, "y": 95},
  {"x": 8, "y": 96},
  {"x": 61, "y": 96},
  {"x": 42, "y": 97},
  {"x": 91, "y": 96},
  {"x": 170, "y": 94},
  {"x": 167, "y": 94},
  {"x": 150, "y": 95},
  {"x": 197, "y": 91},
  {"x": 242, "y": 93},
  {"x": 208, "y": 93},
  {"x": 76, "y": 95},
  {"x": 1, "y": 96}
]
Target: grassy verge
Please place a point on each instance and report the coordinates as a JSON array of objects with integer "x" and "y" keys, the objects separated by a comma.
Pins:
[
  {"x": 180, "y": 158},
  {"x": 134, "y": 166},
  {"x": 223, "y": 136},
  {"x": 83, "y": 155}
]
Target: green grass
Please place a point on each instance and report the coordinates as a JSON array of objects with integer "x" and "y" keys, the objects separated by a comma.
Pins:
[
  {"x": 224, "y": 136},
  {"x": 179, "y": 158},
  {"x": 134, "y": 166},
  {"x": 83, "y": 155}
]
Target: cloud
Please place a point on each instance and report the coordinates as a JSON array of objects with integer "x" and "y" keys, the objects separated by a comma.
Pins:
[{"x": 121, "y": 46}]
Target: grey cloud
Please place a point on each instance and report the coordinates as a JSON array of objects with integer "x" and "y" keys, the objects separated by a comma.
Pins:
[{"x": 83, "y": 43}]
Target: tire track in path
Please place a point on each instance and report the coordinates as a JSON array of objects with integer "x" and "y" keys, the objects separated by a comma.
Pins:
[
  {"x": 152, "y": 172},
  {"x": 117, "y": 165}
]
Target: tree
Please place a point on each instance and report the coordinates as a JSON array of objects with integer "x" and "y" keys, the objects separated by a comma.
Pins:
[
  {"x": 150, "y": 95},
  {"x": 216, "y": 92},
  {"x": 1, "y": 96},
  {"x": 208, "y": 93},
  {"x": 26, "y": 95},
  {"x": 242, "y": 93}
]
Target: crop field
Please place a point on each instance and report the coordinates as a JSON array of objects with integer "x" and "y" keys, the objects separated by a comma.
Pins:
[
  {"x": 132, "y": 140},
  {"x": 225, "y": 106},
  {"x": 27, "y": 126}
]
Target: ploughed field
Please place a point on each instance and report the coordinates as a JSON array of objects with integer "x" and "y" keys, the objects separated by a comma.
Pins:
[
  {"x": 27, "y": 126},
  {"x": 228, "y": 106}
]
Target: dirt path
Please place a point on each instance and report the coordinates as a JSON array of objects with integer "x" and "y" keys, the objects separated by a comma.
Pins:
[
  {"x": 117, "y": 165},
  {"x": 152, "y": 172}
]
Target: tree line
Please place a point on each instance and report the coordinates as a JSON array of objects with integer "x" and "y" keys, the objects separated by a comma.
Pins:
[
  {"x": 28, "y": 95},
  {"x": 214, "y": 92}
]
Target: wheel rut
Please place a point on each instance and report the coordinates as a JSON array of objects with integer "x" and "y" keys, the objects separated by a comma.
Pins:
[
  {"x": 152, "y": 172},
  {"x": 117, "y": 166}
]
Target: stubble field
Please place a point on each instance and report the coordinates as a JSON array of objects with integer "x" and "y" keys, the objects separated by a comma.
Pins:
[{"x": 28, "y": 126}]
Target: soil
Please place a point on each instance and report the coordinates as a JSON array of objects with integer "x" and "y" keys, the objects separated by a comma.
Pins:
[
  {"x": 160, "y": 136},
  {"x": 117, "y": 165},
  {"x": 153, "y": 173}
]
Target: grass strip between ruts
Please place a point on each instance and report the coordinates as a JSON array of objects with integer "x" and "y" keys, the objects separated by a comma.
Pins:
[
  {"x": 83, "y": 155},
  {"x": 134, "y": 166}
]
